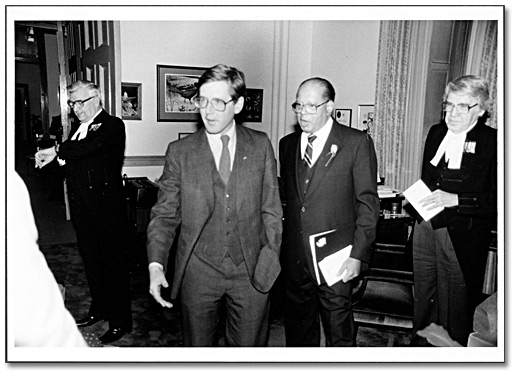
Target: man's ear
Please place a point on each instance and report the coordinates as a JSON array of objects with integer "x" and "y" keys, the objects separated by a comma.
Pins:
[
  {"x": 239, "y": 104},
  {"x": 330, "y": 107}
]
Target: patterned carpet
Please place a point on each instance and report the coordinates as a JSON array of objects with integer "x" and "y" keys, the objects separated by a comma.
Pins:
[{"x": 158, "y": 327}]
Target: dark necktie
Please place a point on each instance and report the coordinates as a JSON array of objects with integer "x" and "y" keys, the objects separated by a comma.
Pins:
[
  {"x": 225, "y": 160},
  {"x": 308, "y": 150}
]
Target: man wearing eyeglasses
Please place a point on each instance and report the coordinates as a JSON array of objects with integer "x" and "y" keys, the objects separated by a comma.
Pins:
[
  {"x": 329, "y": 184},
  {"x": 93, "y": 158},
  {"x": 219, "y": 185},
  {"x": 451, "y": 249}
]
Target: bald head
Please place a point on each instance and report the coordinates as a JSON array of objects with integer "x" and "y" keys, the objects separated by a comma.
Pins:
[
  {"x": 322, "y": 86},
  {"x": 320, "y": 94}
]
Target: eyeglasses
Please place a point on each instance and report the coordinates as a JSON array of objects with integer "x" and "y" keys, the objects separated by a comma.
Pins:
[
  {"x": 309, "y": 108},
  {"x": 216, "y": 103},
  {"x": 461, "y": 108},
  {"x": 80, "y": 103}
]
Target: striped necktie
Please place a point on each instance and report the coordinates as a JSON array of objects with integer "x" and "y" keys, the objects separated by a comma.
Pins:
[{"x": 308, "y": 150}]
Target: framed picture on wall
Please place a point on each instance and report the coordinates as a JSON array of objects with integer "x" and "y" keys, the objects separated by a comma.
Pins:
[
  {"x": 176, "y": 86},
  {"x": 252, "y": 111},
  {"x": 343, "y": 116},
  {"x": 131, "y": 98},
  {"x": 365, "y": 117}
]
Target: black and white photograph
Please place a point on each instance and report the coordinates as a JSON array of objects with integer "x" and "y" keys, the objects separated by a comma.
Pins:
[{"x": 316, "y": 186}]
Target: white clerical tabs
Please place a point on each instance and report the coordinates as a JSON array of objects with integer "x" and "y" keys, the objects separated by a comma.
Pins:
[
  {"x": 329, "y": 253},
  {"x": 417, "y": 192}
]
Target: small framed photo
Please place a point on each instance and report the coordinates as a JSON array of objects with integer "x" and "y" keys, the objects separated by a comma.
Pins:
[
  {"x": 176, "y": 86},
  {"x": 343, "y": 116},
  {"x": 252, "y": 111},
  {"x": 365, "y": 117},
  {"x": 183, "y": 135},
  {"x": 131, "y": 101}
]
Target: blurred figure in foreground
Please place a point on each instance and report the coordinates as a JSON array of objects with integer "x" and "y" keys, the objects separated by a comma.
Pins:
[{"x": 40, "y": 318}]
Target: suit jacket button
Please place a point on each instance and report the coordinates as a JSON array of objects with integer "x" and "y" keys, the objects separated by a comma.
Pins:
[{"x": 303, "y": 209}]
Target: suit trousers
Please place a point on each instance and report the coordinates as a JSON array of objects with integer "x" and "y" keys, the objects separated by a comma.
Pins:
[
  {"x": 440, "y": 293},
  {"x": 209, "y": 291},
  {"x": 101, "y": 246},
  {"x": 306, "y": 303}
]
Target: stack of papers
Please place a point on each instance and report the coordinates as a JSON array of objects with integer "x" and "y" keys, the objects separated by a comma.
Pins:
[
  {"x": 386, "y": 191},
  {"x": 328, "y": 255},
  {"x": 416, "y": 193}
]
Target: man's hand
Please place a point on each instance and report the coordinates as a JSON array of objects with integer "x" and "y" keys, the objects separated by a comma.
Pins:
[
  {"x": 353, "y": 267},
  {"x": 440, "y": 198},
  {"x": 158, "y": 280},
  {"x": 45, "y": 156}
]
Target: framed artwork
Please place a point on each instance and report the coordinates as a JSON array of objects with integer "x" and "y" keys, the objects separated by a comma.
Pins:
[
  {"x": 176, "y": 86},
  {"x": 252, "y": 111},
  {"x": 183, "y": 135},
  {"x": 131, "y": 100},
  {"x": 365, "y": 117},
  {"x": 344, "y": 116}
]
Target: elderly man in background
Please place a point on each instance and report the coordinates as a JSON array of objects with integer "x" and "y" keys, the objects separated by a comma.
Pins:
[{"x": 93, "y": 160}]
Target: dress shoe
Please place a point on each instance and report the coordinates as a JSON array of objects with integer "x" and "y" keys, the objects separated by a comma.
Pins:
[
  {"x": 113, "y": 334},
  {"x": 88, "y": 321}
]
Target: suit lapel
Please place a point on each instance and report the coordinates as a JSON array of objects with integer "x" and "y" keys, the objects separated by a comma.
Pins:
[
  {"x": 242, "y": 162},
  {"x": 201, "y": 164},
  {"x": 320, "y": 171},
  {"x": 293, "y": 159}
]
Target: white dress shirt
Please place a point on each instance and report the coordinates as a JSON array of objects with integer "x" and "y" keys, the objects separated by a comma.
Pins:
[
  {"x": 215, "y": 144},
  {"x": 318, "y": 144}
]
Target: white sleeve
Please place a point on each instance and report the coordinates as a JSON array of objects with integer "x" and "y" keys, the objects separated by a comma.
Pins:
[{"x": 40, "y": 317}]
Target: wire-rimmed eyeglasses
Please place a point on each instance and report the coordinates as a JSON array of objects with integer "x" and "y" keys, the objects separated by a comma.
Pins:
[
  {"x": 80, "y": 103},
  {"x": 309, "y": 108},
  {"x": 461, "y": 108},
  {"x": 202, "y": 102}
]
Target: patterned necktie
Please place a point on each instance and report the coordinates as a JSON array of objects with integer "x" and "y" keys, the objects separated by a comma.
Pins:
[
  {"x": 225, "y": 160},
  {"x": 308, "y": 151}
]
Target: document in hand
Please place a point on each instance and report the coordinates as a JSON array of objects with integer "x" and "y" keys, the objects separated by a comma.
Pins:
[
  {"x": 417, "y": 192},
  {"x": 329, "y": 251}
]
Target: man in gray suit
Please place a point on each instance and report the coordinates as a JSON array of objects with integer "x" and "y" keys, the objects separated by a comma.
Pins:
[{"x": 220, "y": 186}]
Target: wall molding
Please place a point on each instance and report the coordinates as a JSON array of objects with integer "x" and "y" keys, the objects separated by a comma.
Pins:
[{"x": 144, "y": 161}]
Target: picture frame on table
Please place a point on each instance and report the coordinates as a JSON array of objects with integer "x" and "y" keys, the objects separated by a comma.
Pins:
[
  {"x": 365, "y": 117},
  {"x": 176, "y": 85},
  {"x": 343, "y": 116},
  {"x": 131, "y": 101}
]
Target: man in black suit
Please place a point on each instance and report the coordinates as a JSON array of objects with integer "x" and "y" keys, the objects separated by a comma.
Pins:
[
  {"x": 451, "y": 249},
  {"x": 93, "y": 159},
  {"x": 329, "y": 181}
]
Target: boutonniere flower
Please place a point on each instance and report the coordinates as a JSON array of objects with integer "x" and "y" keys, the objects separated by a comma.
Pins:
[
  {"x": 322, "y": 242},
  {"x": 94, "y": 127},
  {"x": 470, "y": 146},
  {"x": 332, "y": 153}
]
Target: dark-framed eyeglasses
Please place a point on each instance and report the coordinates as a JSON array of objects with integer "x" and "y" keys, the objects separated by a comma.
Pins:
[
  {"x": 80, "y": 103},
  {"x": 309, "y": 108},
  {"x": 217, "y": 104},
  {"x": 461, "y": 108}
]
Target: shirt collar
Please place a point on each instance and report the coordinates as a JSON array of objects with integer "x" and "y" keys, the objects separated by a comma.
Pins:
[
  {"x": 322, "y": 133},
  {"x": 231, "y": 133},
  {"x": 93, "y": 118}
]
